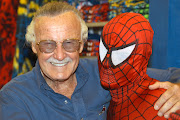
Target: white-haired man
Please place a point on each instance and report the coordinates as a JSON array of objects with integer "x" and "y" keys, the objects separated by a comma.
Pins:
[{"x": 60, "y": 86}]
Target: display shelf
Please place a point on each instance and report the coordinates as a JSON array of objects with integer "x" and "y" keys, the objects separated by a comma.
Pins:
[
  {"x": 96, "y": 24},
  {"x": 96, "y": 27}
]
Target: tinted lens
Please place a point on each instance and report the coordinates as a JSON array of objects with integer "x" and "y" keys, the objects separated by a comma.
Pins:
[
  {"x": 47, "y": 46},
  {"x": 71, "y": 45}
]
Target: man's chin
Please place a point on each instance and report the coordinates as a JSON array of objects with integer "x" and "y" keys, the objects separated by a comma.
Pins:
[{"x": 60, "y": 77}]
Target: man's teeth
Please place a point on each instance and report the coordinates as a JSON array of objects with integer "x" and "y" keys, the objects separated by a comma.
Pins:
[{"x": 58, "y": 64}]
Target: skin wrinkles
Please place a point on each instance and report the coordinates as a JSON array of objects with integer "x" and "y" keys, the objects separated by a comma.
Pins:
[{"x": 58, "y": 28}]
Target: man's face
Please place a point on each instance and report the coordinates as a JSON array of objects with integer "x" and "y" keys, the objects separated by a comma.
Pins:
[{"x": 59, "y": 28}]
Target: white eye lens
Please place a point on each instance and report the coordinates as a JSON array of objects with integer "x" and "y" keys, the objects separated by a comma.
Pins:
[
  {"x": 118, "y": 56},
  {"x": 102, "y": 50}
]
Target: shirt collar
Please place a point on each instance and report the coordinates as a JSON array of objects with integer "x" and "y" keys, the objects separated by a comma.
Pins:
[
  {"x": 82, "y": 76},
  {"x": 39, "y": 78}
]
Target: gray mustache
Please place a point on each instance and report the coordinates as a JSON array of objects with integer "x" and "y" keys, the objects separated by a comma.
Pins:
[{"x": 53, "y": 60}]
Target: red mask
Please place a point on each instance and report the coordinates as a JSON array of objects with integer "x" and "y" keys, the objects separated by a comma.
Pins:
[{"x": 124, "y": 50}]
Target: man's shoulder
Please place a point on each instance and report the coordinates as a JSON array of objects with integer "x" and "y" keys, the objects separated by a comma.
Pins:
[
  {"x": 89, "y": 62},
  {"x": 90, "y": 65},
  {"x": 19, "y": 83},
  {"x": 19, "y": 89}
]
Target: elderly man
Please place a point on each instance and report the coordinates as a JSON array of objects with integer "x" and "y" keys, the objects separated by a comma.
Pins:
[{"x": 60, "y": 87}]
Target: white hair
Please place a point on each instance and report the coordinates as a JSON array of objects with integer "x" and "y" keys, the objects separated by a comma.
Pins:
[{"x": 53, "y": 9}]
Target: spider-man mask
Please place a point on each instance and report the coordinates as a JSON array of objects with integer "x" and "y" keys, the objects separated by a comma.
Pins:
[{"x": 124, "y": 50}]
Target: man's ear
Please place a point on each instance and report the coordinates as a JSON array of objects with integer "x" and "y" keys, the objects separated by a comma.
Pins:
[
  {"x": 34, "y": 48},
  {"x": 81, "y": 47}
]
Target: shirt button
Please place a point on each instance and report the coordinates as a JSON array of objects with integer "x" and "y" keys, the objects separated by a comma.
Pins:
[{"x": 66, "y": 102}]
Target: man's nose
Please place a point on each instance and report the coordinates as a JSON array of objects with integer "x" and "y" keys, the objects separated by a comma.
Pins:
[{"x": 59, "y": 52}]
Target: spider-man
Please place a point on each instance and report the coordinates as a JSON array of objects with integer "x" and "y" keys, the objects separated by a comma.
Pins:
[{"x": 125, "y": 49}]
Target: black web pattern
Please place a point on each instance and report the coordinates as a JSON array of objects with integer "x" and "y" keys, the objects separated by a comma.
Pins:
[{"x": 128, "y": 81}]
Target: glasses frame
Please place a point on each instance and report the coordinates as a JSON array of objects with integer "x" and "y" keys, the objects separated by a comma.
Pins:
[{"x": 58, "y": 42}]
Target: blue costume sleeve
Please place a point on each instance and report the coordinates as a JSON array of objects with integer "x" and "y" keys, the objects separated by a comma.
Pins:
[{"x": 171, "y": 74}]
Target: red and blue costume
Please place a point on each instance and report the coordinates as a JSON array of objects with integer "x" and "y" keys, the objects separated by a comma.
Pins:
[{"x": 125, "y": 48}]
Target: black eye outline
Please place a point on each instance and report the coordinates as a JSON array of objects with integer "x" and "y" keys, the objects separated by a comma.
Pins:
[
  {"x": 122, "y": 47},
  {"x": 120, "y": 55},
  {"x": 100, "y": 55}
]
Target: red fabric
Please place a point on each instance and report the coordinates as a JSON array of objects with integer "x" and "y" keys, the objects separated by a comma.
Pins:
[
  {"x": 8, "y": 16},
  {"x": 128, "y": 82},
  {"x": 176, "y": 116}
]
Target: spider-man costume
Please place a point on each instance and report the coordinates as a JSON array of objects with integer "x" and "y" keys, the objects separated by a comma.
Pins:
[{"x": 125, "y": 48}]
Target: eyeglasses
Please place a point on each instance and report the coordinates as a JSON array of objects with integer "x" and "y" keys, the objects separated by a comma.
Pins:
[{"x": 69, "y": 45}]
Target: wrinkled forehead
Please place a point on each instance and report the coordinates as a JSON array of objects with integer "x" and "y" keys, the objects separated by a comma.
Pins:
[{"x": 58, "y": 27}]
